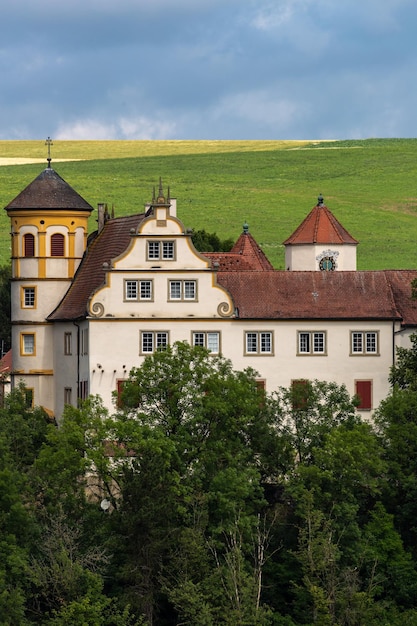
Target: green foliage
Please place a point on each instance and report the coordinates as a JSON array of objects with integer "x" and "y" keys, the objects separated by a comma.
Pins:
[
  {"x": 210, "y": 242},
  {"x": 227, "y": 505},
  {"x": 403, "y": 373}
]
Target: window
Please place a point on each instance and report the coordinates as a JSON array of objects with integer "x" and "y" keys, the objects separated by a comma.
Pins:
[
  {"x": 208, "y": 340},
  {"x": 363, "y": 389},
  {"x": 84, "y": 342},
  {"x": 29, "y": 297},
  {"x": 138, "y": 290},
  {"x": 131, "y": 289},
  {"x": 145, "y": 290},
  {"x": 57, "y": 244},
  {"x": 182, "y": 290},
  {"x": 83, "y": 390},
  {"x": 150, "y": 341},
  {"x": 28, "y": 245},
  {"x": 27, "y": 344},
  {"x": 158, "y": 250},
  {"x": 258, "y": 343},
  {"x": 300, "y": 392},
  {"x": 120, "y": 383},
  {"x": 362, "y": 342},
  {"x": 67, "y": 395},
  {"x": 311, "y": 342},
  {"x": 67, "y": 343}
]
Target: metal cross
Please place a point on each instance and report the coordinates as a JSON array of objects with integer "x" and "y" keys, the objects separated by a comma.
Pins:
[{"x": 49, "y": 143}]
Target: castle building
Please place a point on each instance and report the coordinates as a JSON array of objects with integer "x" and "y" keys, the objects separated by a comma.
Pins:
[{"x": 85, "y": 310}]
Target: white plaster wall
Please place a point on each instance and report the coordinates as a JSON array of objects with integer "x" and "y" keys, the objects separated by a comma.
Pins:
[
  {"x": 304, "y": 257},
  {"x": 115, "y": 346}
]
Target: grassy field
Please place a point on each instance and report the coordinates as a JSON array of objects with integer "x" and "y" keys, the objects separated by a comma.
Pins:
[{"x": 369, "y": 185}]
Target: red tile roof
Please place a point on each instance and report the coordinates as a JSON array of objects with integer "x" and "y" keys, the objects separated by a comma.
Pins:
[
  {"x": 49, "y": 191},
  {"x": 321, "y": 295},
  {"x": 6, "y": 363},
  {"x": 106, "y": 245},
  {"x": 320, "y": 226},
  {"x": 245, "y": 255}
]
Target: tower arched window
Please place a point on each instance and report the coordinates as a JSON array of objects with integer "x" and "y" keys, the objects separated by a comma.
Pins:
[
  {"x": 57, "y": 244},
  {"x": 28, "y": 244}
]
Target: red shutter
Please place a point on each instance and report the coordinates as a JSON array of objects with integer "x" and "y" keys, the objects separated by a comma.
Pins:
[
  {"x": 29, "y": 245},
  {"x": 57, "y": 245},
  {"x": 364, "y": 391}
]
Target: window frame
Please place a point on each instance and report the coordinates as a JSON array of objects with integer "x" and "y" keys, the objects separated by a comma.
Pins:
[
  {"x": 68, "y": 396},
  {"x": 258, "y": 341},
  {"x": 67, "y": 343},
  {"x": 28, "y": 245},
  {"x": 364, "y": 336},
  {"x": 24, "y": 292},
  {"x": 154, "y": 341},
  {"x": 364, "y": 405},
  {"x": 57, "y": 242},
  {"x": 312, "y": 336},
  {"x": 183, "y": 284},
  {"x": 205, "y": 343},
  {"x": 23, "y": 337},
  {"x": 160, "y": 250}
]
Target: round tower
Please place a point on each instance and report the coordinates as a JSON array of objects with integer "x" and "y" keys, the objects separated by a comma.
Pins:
[{"x": 49, "y": 227}]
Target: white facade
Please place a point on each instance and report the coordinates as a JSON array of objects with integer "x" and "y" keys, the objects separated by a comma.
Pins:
[{"x": 141, "y": 285}]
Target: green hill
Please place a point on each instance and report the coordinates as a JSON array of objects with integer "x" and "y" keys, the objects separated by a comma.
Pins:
[{"x": 369, "y": 185}]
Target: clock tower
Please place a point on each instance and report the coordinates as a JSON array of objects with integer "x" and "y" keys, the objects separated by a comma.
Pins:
[{"x": 320, "y": 243}]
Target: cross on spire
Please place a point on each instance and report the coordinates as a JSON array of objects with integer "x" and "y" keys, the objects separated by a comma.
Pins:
[{"x": 49, "y": 143}]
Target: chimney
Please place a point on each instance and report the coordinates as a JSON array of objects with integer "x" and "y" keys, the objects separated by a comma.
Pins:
[{"x": 101, "y": 208}]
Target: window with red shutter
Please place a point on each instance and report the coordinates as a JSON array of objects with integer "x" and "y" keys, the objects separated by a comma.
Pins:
[
  {"x": 364, "y": 393},
  {"x": 29, "y": 244},
  {"x": 57, "y": 244}
]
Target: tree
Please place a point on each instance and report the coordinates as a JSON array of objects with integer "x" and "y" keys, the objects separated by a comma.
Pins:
[
  {"x": 196, "y": 430},
  {"x": 210, "y": 242}
]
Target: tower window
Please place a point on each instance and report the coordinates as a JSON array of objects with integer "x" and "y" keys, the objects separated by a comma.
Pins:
[
  {"x": 29, "y": 244},
  {"x": 57, "y": 244}
]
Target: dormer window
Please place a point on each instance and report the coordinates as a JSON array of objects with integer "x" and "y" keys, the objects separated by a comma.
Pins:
[
  {"x": 57, "y": 244},
  {"x": 161, "y": 250}
]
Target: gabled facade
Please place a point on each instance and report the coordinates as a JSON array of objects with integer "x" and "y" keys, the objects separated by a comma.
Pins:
[{"x": 141, "y": 284}]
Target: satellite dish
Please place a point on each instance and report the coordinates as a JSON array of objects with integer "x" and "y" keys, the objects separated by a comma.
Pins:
[{"x": 105, "y": 504}]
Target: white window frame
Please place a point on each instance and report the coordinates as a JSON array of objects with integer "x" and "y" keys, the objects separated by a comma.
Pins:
[
  {"x": 136, "y": 290},
  {"x": 160, "y": 250},
  {"x": 29, "y": 297},
  {"x": 182, "y": 291},
  {"x": 259, "y": 342},
  {"x": 207, "y": 339},
  {"x": 152, "y": 340},
  {"x": 362, "y": 340},
  {"x": 311, "y": 343},
  {"x": 131, "y": 290}
]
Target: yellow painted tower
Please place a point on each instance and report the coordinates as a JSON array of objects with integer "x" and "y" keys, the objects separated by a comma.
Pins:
[{"x": 49, "y": 227}]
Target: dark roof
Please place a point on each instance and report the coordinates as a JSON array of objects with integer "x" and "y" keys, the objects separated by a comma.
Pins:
[
  {"x": 49, "y": 191},
  {"x": 383, "y": 295},
  {"x": 320, "y": 226},
  {"x": 245, "y": 255},
  {"x": 106, "y": 245}
]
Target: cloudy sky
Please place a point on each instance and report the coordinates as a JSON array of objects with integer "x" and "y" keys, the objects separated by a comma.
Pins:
[{"x": 208, "y": 69}]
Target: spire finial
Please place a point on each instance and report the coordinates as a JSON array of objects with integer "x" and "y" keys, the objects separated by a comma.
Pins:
[
  {"x": 49, "y": 143},
  {"x": 320, "y": 200},
  {"x": 245, "y": 228}
]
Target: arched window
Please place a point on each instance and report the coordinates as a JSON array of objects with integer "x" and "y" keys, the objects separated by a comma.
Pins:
[
  {"x": 28, "y": 245},
  {"x": 57, "y": 244}
]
